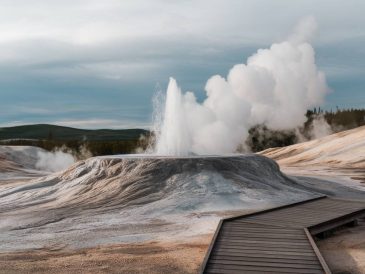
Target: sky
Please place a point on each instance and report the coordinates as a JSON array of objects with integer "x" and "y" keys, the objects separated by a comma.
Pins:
[{"x": 97, "y": 64}]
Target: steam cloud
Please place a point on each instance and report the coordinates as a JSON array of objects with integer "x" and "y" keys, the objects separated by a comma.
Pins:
[
  {"x": 54, "y": 161},
  {"x": 275, "y": 88},
  {"x": 320, "y": 128}
]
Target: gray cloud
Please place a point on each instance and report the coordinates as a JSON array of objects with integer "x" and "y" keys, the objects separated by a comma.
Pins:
[{"x": 64, "y": 55}]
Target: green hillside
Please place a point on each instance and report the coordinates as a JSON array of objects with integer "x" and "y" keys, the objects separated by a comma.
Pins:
[{"x": 60, "y": 133}]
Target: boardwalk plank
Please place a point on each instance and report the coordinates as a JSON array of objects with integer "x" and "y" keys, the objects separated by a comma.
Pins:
[
  {"x": 249, "y": 250},
  {"x": 269, "y": 264},
  {"x": 263, "y": 242},
  {"x": 277, "y": 241},
  {"x": 265, "y": 260},
  {"x": 264, "y": 269},
  {"x": 268, "y": 253},
  {"x": 238, "y": 248},
  {"x": 257, "y": 237}
]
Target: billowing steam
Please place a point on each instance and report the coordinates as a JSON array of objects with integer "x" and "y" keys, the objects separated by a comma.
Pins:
[
  {"x": 54, "y": 161},
  {"x": 319, "y": 128},
  {"x": 275, "y": 88}
]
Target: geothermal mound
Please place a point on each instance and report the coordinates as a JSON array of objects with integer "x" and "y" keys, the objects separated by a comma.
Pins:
[
  {"x": 345, "y": 149},
  {"x": 133, "y": 198},
  {"x": 120, "y": 182}
]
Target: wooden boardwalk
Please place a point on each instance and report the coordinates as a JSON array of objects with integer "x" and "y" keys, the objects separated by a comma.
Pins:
[{"x": 278, "y": 240}]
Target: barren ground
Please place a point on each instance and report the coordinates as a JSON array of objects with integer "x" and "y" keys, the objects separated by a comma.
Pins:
[
  {"x": 150, "y": 257},
  {"x": 344, "y": 251},
  {"x": 178, "y": 220}
]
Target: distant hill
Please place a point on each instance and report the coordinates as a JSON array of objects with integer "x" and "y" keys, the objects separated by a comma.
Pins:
[{"x": 60, "y": 133}]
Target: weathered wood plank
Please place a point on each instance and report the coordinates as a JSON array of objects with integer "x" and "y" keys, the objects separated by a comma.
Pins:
[
  {"x": 246, "y": 272},
  {"x": 229, "y": 232},
  {"x": 249, "y": 271},
  {"x": 267, "y": 253},
  {"x": 263, "y": 269},
  {"x": 277, "y": 224},
  {"x": 264, "y": 259},
  {"x": 244, "y": 256},
  {"x": 257, "y": 227},
  {"x": 319, "y": 255},
  {"x": 262, "y": 239},
  {"x": 232, "y": 251},
  {"x": 250, "y": 225},
  {"x": 268, "y": 232},
  {"x": 262, "y": 248},
  {"x": 269, "y": 264},
  {"x": 263, "y": 243}
]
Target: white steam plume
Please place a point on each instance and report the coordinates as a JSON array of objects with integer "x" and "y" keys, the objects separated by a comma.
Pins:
[
  {"x": 275, "y": 88},
  {"x": 54, "y": 161},
  {"x": 319, "y": 128}
]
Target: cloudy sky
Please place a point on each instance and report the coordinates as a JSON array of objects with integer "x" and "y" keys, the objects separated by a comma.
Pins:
[{"x": 97, "y": 64}]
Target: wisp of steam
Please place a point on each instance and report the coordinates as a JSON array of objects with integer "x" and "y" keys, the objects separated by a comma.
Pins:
[
  {"x": 275, "y": 87},
  {"x": 54, "y": 161}
]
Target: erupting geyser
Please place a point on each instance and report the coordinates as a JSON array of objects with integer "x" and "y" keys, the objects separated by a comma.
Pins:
[
  {"x": 275, "y": 87},
  {"x": 174, "y": 138}
]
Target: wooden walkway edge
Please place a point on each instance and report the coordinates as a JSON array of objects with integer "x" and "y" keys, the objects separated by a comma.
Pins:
[{"x": 278, "y": 240}]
